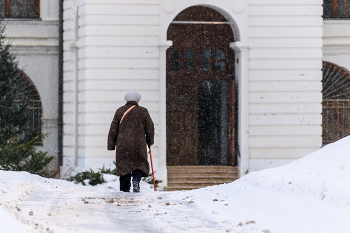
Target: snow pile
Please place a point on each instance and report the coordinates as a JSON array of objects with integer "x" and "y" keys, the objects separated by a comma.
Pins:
[
  {"x": 9, "y": 223},
  {"x": 30, "y": 200},
  {"x": 309, "y": 195},
  {"x": 14, "y": 187},
  {"x": 324, "y": 175}
]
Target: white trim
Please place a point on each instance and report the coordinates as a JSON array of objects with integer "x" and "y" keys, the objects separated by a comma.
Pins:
[
  {"x": 240, "y": 26},
  {"x": 200, "y": 22},
  {"x": 242, "y": 79},
  {"x": 162, "y": 170},
  {"x": 75, "y": 49}
]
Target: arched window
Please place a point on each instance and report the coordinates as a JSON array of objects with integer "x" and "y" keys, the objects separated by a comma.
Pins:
[
  {"x": 20, "y": 8},
  {"x": 336, "y": 9},
  {"x": 29, "y": 92},
  {"x": 335, "y": 103}
]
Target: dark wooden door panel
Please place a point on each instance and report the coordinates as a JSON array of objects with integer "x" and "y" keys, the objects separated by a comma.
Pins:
[
  {"x": 212, "y": 122},
  {"x": 232, "y": 116},
  {"x": 182, "y": 130}
]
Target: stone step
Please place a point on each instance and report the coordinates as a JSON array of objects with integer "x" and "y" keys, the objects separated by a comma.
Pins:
[
  {"x": 202, "y": 171},
  {"x": 212, "y": 168},
  {"x": 189, "y": 186},
  {"x": 194, "y": 177},
  {"x": 206, "y": 175},
  {"x": 177, "y": 188},
  {"x": 206, "y": 169},
  {"x": 201, "y": 174},
  {"x": 196, "y": 185},
  {"x": 200, "y": 183},
  {"x": 200, "y": 179}
]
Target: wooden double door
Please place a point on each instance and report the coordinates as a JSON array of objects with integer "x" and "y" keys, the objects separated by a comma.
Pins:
[
  {"x": 200, "y": 100},
  {"x": 200, "y": 122}
]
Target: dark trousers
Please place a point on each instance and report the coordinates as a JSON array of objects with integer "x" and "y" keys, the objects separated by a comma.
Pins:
[{"x": 125, "y": 179}]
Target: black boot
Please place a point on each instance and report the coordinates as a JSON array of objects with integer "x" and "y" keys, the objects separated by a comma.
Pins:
[
  {"x": 136, "y": 186},
  {"x": 125, "y": 182},
  {"x": 136, "y": 178}
]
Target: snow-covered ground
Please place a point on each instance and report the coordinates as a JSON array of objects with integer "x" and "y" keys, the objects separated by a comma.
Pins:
[{"x": 309, "y": 195}]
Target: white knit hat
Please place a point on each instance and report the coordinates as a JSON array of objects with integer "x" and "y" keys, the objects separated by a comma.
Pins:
[{"x": 132, "y": 96}]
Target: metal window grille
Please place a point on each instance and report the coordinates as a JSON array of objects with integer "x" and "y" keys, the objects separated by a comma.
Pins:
[
  {"x": 335, "y": 103},
  {"x": 28, "y": 92}
]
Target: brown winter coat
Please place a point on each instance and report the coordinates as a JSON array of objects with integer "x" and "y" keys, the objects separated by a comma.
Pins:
[{"x": 130, "y": 138}]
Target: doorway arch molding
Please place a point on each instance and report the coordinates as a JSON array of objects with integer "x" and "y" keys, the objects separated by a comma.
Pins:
[
  {"x": 240, "y": 21},
  {"x": 240, "y": 26}
]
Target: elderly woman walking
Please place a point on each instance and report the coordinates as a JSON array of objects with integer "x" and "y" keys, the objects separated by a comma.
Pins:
[{"x": 131, "y": 131}]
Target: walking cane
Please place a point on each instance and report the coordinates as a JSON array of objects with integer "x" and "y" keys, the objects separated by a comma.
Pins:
[{"x": 154, "y": 180}]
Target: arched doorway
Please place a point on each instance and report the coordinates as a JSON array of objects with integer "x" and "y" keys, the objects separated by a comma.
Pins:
[
  {"x": 200, "y": 99},
  {"x": 335, "y": 103}
]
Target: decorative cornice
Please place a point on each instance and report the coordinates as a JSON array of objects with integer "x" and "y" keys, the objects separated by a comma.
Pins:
[
  {"x": 239, "y": 46},
  {"x": 165, "y": 44},
  {"x": 29, "y": 50},
  {"x": 333, "y": 49}
]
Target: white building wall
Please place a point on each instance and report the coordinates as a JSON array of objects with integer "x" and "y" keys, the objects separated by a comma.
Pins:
[
  {"x": 118, "y": 52},
  {"x": 285, "y": 80},
  {"x": 69, "y": 77},
  {"x": 35, "y": 42},
  {"x": 336, "y": 42},
  {"x": 120, "y": 46}
]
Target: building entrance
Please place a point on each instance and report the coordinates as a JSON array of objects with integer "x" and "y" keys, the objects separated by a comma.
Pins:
[{"x": 200, "y": 113}]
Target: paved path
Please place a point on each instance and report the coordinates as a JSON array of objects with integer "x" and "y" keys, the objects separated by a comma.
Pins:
[{"x": 78, "y": 209}]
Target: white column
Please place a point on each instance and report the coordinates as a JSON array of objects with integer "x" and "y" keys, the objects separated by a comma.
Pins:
[
  {"x": 75, "y": 50},
  {"x": 242, "y": 79},
  {"x": 162, "y": 170}
]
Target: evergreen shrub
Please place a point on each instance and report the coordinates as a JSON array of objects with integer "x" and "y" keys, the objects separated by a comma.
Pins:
[
  {"x": 17, "y": 141},
  {"x": 88, "y": 177},
  {"x": 94, "y": 178}
]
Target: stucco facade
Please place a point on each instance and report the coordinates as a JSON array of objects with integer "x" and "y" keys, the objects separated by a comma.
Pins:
[
  {"x": 111, "y": 47},
  {"x": 115, "y": 46},
  {"x": 336, "y": 46}
]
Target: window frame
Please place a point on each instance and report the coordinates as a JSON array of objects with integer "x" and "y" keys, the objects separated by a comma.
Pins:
[
  {"x": 334, "y": 10},
  {"x": 335, "y": 102},
  {"x": 8, "y": 15},
  {"x": 29, "y": 91}
]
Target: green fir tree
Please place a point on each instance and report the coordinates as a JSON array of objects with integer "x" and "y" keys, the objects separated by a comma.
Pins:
[{"x": 17, "y": 142}]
